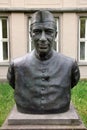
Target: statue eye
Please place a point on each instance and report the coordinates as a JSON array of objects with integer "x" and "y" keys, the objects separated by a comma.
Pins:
[
  {"x": 49, "y": 31},
  {"x": 36, "y": 31}
]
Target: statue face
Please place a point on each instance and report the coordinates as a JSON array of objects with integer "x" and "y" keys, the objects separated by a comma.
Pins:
[{"x": 43, "y": 36}]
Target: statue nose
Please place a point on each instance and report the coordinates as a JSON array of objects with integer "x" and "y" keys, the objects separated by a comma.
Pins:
[{"x": 43, "y": 36}]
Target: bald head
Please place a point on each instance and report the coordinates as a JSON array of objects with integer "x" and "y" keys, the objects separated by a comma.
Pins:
[{"x": 42, "y": 17}]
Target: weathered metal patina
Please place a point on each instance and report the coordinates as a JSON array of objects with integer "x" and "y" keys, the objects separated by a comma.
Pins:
[{"x": 42, "y": 80}]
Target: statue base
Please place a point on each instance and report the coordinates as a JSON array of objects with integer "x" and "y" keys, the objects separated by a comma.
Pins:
[{"x": 19, "y": 121}]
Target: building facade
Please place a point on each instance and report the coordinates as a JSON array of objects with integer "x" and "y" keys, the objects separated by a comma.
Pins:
[{"x": 71, "y": 20}]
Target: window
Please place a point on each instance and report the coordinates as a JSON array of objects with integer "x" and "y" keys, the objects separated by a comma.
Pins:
[
  {"x": 83, "y": 39},
  {"x": 4, "y": 40},
  {"x": 56, "y": 44}
]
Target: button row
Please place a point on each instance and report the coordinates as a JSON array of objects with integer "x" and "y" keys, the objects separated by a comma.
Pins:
[{"x": 42, "y": 102}]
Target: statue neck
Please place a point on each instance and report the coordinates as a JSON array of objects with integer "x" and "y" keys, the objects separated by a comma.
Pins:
[{"x": 44, "y": 56}]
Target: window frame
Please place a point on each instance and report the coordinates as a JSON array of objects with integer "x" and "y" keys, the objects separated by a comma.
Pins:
[
  {"x": 2, "y": 60},
  {"x": 83, "y": 62}
]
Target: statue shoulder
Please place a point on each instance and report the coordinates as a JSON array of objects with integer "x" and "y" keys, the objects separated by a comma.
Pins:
[
  {"x": 64, "y": 59},
  {"x": 23, "y": 60}
]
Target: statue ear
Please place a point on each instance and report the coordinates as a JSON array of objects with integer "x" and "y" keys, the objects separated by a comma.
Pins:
[
  {"x": 55, "y": 34},
  {"x": 31, "y": 34}
]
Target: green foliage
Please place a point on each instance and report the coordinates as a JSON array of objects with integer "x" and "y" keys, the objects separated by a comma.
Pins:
[
  {"x": 6, "y": 101},
  {"x": 79, "y": 99}
]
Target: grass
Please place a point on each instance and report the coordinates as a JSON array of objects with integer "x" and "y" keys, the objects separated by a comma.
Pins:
[
  {"x": 6, "y": 101},
  {"x": 79, "y": 99}
]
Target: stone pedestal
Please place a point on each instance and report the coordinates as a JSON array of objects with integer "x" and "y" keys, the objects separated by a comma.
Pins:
[{"x": 63, "y": 121}]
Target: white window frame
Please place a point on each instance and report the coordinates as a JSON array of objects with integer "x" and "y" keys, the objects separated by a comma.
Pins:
[
  {"x": 29, "y": 37},
  {"x": 3, "y": 40},
  {"x": 83, "y": 40},
  {"x": 56, "y": 40}
]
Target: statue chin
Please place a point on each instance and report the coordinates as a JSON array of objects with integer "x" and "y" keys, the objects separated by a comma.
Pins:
[{"x": 43, "y": 51}]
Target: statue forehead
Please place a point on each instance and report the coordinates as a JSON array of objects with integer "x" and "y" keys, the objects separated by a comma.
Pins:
[
  {"x": 42, "y": 16},
  {"x": 47, "y": 25}
]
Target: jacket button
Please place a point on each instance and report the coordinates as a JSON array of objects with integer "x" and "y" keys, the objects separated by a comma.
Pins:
[
  {"x": 42, "y": 88},
  {"x": 42, "y": 98},
  {"x": 43, "y": 79},
  {"x": 42, "y": 107},
  {"x": 44, "y": 70}
]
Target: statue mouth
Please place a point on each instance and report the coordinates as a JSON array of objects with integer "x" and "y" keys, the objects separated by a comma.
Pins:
[{"x": 43, "y": 47}]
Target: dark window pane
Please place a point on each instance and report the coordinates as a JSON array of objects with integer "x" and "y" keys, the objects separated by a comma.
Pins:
[
  {"x": 82, "y": 28},
  {"x": 82, "y": 50},
  {"x": 4, "y": 28},
  {"x": 5, "y": 50}
]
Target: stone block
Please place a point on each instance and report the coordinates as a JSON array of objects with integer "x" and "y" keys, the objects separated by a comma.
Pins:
[{"x": 63, "y": 121}]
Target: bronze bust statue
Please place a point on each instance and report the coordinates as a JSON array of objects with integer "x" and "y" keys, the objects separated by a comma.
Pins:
[{"x": 42, "y": 79}]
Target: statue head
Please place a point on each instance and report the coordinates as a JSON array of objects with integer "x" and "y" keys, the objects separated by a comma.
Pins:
[{"x": 43, "y": 31}]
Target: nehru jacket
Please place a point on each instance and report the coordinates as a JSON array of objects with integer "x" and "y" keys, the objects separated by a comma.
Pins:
[{"x": 43, "y": 86}]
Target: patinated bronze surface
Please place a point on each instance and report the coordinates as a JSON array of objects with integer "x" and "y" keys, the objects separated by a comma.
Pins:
[{"x": 42, "y": 80}]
